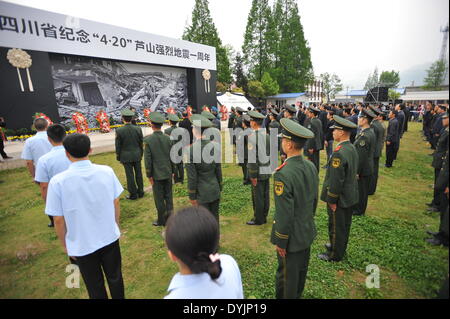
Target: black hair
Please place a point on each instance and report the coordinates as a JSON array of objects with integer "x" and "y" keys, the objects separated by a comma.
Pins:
[
  {"x": 40, "y": 124},
  {"x": 157, "y": 125},
  {"x": 395, "y": 112},
  {"x": 56, "y": 133},
  {"x": 299, "y": 144},
  {"x": 77, "y": 145},
  {"x": 127, "y": 118},
  {"x": 192, "y": 234},
  {"x": 173, "y": 123}
]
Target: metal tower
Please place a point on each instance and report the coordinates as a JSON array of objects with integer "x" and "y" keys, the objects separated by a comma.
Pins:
[{"x": 443, "y": 55}]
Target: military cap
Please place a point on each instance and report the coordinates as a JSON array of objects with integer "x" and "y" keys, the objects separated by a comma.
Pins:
[
  {"x": 208, "y": 115},
  {"x": 127, "y": 112},
  {"x": 343, "y": 124},
  {"x": 375, "y": 110},
  {"x": 173, "y": 117},
  {"x": 256, "y": 115},
  {"x": 274, "y": 112},
  {"x": 246, "y": 118},
  {"x": 367, "y": 113},
  {"x": 314, "y": 109},
  {"x": 232, "y": 108},
  {"x": 200, "y": 121},
  {"x": 290, "y": 109},
  {"x": 240, "y": 110},
  {"x": 157, "y": 118},
  {"x": 294, "y": 131}
]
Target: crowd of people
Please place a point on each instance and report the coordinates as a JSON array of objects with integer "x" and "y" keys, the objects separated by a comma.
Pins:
[{"x": 82, "y": 198}]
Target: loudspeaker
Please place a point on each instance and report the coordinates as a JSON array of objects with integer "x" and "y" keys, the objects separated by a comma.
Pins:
[{"x": 377, "y": 94}]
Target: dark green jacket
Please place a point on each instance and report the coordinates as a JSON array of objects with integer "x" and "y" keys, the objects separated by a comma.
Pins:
[
  {"x": 296, "y": 189},
  {"x": 178, "y": 132},
  {"x": 365, "y": 146},
  {"x": 157, "y": 156},
  {"x": 441, "y": 148},
  {"x": 341, "y": 184},
  {"x": 129, "y": 143},
  {"x": 315, "y": 125},
  {"x": 204, "y": 179},
  {"x": 243, "y": 138},
  {"x": 442, "y": 180},
  {"x": 380, "y": 136},
  {"x": 258, "y": 138}
]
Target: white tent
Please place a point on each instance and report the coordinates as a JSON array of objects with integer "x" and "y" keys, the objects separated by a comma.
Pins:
[{"x": 233, "y": 100}]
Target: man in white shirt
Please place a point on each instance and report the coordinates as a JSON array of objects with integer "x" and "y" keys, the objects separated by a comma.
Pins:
[
  {"x": 84, "y": 202},
  {"x": 36, "y": 146},
  {"x": 52, "y": 163}
]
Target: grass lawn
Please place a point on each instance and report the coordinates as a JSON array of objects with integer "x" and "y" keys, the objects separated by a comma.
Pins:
[{"x": 391, "y": 235}]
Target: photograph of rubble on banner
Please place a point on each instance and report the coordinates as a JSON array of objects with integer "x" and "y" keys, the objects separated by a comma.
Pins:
[{"x": 88, "y": 85}]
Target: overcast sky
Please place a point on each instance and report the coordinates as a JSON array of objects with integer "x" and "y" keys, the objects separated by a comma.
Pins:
[{"x": 347, "y": 37}]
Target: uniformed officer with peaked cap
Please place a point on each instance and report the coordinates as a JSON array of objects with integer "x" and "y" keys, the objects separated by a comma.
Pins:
[
  {"x": 296, "y": 192},
  {"x": 340, "y": 189}
]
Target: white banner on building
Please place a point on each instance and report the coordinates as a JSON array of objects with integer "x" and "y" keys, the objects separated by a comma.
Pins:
[{"x": 34, "y": 29}]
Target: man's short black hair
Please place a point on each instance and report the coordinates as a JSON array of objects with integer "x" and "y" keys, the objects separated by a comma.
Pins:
[
  {"x": 127, "y": 118},
  {"x": 40, "y": 124},
  {"x": 77, "y": 145},
  {"x": 56, "y": 133}
]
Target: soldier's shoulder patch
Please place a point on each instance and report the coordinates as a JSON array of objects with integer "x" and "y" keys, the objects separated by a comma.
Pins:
[
  {"x": 338, "y": 148},
  {"x": 281, "y": 166},
  {"x": 279, "y": 188},
  {"x": 335, "y": 162}
]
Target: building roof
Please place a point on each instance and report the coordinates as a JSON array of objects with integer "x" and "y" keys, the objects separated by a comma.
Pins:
[
  {"x": 426, "y": 96},
  {"x": 286, "y": 96},
  {"x": 364, "y": 92}
]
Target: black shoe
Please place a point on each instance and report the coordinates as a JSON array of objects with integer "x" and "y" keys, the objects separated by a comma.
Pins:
[
  {"x": 434, "y": 241},
  {"x": 328, "y": 246},
  {"x": 430, "y": 204},
  {"x": 51, "y": 225},
  {"x": 155, "y": 223},
  {"x": 387, "y": 166},
  {"x": 429, "y": 232},
  {"x": 326, "y": 257},
  {"x": 132, "y": 197},
  {"x": 8, "y": 157},
  {"x": 253, "y": 223},
  {"x": 141, "y": 195}
]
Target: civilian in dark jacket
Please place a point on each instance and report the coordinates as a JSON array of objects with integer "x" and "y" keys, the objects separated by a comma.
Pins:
[{"x": 392, "y": 138}]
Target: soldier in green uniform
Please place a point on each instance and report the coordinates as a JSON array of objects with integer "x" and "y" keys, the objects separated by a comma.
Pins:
[
  {"x": 238, "y": 119},
  {"x": 243, "y": 153},
  {"x": 296, "y": 192},
  {"x": 365, "y": 144},
  {"x": 204, "y": 175},
  {"x": 289, "y": 113},
  {"x": 258, "y": 171},
  {"x": 129, "y": 152},
  {"x": 159, "y": 168},
  {"x": 211, "y": 117},
  {"x": 274, "y": 124},
  {"x": 314, "y": 145},
  {"x": 231, "y": 125},
  {"x": 178, "y": 131},
  {"x": 340, "y": 189},
  {"x": 380, "y": 136}
]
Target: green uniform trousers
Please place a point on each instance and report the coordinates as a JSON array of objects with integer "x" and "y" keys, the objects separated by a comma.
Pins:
[
  {"x": 213, "y": 207},
  {"x": 179, "y": 173},
  {"x": 162, "y": 194},
  {"x": 315, "y": 158},
  {"x": 135, "y": 183},
  {"x": 363, "y": 187},
  {"x": 245, "y": 178},
  {"x": 261, "y": 200},
  {"x": 339, "y": 224},
  {"x": 291, "y": 274},
  {"x": 374, "y": 178}
]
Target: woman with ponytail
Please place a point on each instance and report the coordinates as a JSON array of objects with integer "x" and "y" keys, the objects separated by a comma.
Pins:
[{"x": 192, "y": 239}]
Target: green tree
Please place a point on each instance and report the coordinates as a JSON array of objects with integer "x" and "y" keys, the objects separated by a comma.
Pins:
[
  {"x": 331, "y": 85},
  {"x": 393, "y": 95},
  {"x": 390, "y": 79},
  {"x": 372, "y": 80},
  {"x": 269, "y": 85},
  {"x": 435, "y": 75},
  {"x": 255, "y": 49},
  {"x": 238, "y": 71},
  {"x": 255, "y": 89},
  {"x": 220, "y": 87},
  {"x": 292, "y": 57},
  {"x": 202, "y": 30}
]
